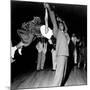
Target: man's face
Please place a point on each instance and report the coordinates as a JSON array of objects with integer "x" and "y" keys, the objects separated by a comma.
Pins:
[{"x": 61, "y": 26}]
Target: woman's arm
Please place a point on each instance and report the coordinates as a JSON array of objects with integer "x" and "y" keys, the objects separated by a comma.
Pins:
[
  {"x": 46, "y": 20},
  {"x": 53, "y": 20}
]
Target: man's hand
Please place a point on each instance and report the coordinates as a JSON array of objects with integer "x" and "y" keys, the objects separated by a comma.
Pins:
[
  {"x": 59, "y": 19},
  {"x": 46, "y": 5}
]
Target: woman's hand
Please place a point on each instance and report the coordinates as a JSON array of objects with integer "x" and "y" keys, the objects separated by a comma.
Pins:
[{"x": 50, "y": 41}]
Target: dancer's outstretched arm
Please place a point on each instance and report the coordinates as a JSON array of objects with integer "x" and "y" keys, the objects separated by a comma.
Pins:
[
  {"x": 53, "y": 20},
  {"x": 46, "y": 20}
]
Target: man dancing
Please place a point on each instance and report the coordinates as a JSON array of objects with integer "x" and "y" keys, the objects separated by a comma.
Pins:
[{"x": 62, "y": 52}]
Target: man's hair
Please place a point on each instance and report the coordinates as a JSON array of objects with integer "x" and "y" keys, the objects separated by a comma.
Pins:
[{"x": 58, "y": 22}]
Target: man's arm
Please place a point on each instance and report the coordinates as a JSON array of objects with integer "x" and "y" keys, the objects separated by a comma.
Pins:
[{"x": 65, "y": 26}]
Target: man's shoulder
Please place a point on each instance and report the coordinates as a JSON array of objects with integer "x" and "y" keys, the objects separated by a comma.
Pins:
[{"x": 60, "y": 33}]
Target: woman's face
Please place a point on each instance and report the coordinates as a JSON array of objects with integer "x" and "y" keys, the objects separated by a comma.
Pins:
[{"x": 61, "y": 26}]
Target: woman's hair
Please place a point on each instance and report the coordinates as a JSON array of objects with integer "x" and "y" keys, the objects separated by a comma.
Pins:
[
  {"x": 36, "y": 20},
  {"x": 31, "y": 24},
  {"x": 29, "y": 28}
]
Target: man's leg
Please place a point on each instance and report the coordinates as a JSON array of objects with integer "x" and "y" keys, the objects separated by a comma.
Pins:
[
  {"x": 39, "y": 61},
  {"x": 75, "y": 56},
  {"x": 64, "y": 72},
  {"x": 59, "y": 70},
  {"x": 43, "y": 60},
  {"x": 54, "y": 59},
  {"x": 65, "y": 66}
]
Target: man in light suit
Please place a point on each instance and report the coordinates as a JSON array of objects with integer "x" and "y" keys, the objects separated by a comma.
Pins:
[{"x": 62, "y": 51}]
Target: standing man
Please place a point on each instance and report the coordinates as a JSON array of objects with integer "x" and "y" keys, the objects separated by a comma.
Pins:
[
  {"x": 62, "y": 52},
  {"x": 42, "y": 49},
  {"x": 39, "y": 47},
  {"x": 75, "y": 40},
  {"x": 54, "y": 59}
]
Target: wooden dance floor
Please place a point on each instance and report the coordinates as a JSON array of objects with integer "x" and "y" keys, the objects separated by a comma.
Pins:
[{"x": 38, "y": 79}]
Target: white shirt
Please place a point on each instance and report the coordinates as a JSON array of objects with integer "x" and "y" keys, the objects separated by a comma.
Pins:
[{"x": 47, "y": 35}]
